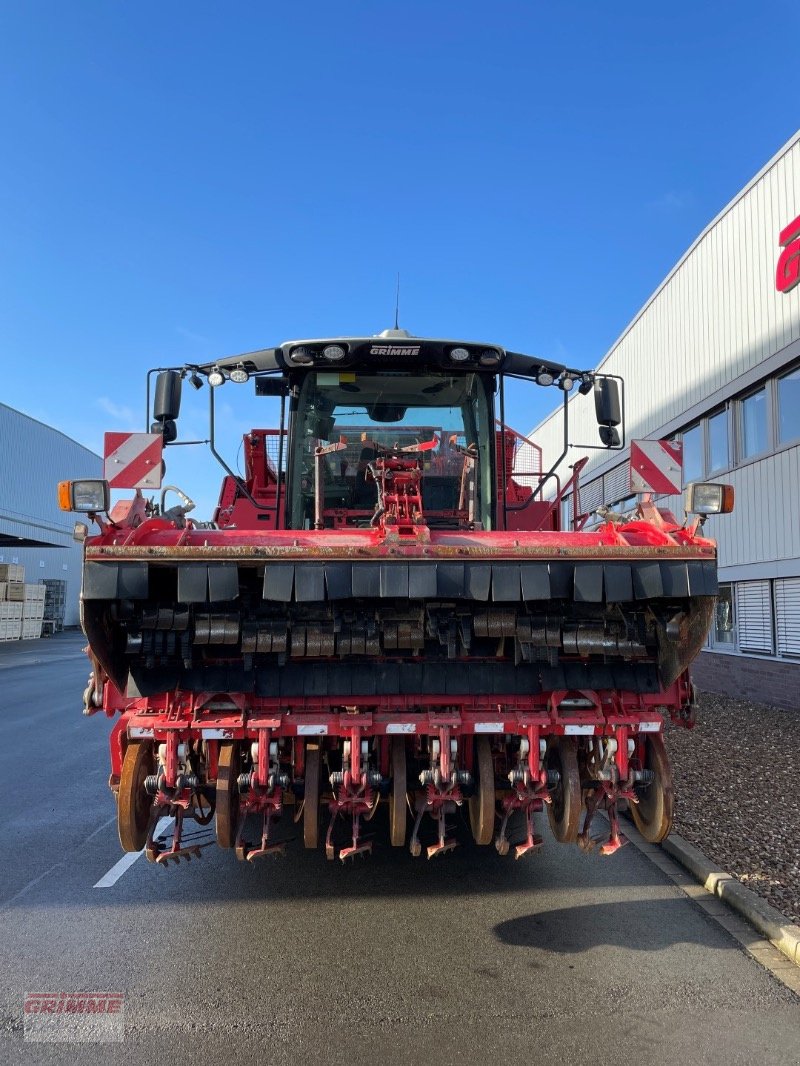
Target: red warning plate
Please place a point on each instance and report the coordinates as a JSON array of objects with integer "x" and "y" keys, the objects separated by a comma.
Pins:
[
  {"x": 657, "y": 466},
  {"x": 133, "y": 460}
]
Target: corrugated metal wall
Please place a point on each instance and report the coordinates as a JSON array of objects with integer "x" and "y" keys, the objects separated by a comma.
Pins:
[{"x": 33, "y": 459}]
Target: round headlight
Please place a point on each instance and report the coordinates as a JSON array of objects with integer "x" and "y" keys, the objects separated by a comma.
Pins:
[
  {"x": 566, "y": 382},
  {"x": 239, "y": 375},
  {"x": 216, "y": 377},
  {"x": 301, "y": 356},
  {"x": 459, "y": 355},
  {"x": 489, "y": 357},
  {"x": 544, "y": 376},
  {"x": 334, "y": 353}
]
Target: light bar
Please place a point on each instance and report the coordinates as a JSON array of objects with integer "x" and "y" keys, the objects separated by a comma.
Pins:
[{"x": 704, "y": 498}]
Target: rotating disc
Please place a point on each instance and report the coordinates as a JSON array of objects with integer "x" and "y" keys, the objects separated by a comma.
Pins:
[
  {"x": 397, "y": 797},
  {"x": 652, "y": 815},
  {"x": 133, "y": 803},
  {"x": 227, "y": 801},
  {"x": 481, "y": 805},
  {"x": 311, "y": 801},
  {"x": 565, "y": 810}
]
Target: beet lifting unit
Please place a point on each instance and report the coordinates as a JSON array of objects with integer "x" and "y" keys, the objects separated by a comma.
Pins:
[{"x": 386, "y": 609}]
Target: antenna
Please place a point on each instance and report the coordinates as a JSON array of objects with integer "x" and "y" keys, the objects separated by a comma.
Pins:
[{"x": 397, "y": 303}]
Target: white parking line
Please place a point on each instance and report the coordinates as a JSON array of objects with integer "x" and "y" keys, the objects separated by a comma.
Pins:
[
  {"x": 118, "y": 869},
  {"x": 100, "y": 828}
]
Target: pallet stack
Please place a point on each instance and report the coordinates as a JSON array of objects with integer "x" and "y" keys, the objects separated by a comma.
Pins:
[
  {"x": 33, "y": 612},
  {"x": 55, "y": 603},
  {"x": 21, "y": 605}
]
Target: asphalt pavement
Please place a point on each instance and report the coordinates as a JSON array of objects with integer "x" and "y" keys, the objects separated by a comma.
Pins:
[{"x": 471, "y": 958}]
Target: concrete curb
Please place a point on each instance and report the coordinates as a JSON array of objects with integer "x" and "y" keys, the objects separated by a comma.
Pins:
[{"x": 775, "y": 926}]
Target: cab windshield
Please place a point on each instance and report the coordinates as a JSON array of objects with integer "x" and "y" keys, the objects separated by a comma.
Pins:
[{"x": 370, "y": 413}]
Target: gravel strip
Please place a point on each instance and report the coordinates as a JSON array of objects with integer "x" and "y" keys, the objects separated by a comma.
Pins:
[{"x": 737, "y": 797}]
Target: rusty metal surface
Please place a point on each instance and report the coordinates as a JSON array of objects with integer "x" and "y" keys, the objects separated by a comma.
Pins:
[{"x": 430, "y": 552}]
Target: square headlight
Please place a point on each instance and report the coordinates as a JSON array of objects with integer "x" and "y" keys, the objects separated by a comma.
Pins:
[
  {"x": 84, "y": 496},
  {"x": 705, "y": 498}
]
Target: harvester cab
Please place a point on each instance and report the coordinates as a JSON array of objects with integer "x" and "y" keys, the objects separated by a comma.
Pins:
[{"x": 386, "y": 610}]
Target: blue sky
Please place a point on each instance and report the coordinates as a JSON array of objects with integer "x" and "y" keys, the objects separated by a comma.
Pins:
[{"x": 187, "y": 180}]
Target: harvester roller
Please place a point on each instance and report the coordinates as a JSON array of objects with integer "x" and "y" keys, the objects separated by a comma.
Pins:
[{"x": 133, "y": 802}]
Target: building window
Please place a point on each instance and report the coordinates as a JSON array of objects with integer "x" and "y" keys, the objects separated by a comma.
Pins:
[
  {"x": 718, "y": 441},
  {"x": 789, "y": 406},
  {"x": 754, "y": 616},
  {"x": 754, "y": 424},
  {"x": 724, "y": 628},
  {"x": 787, "y": 615},
  {"x": 693, "y": 454}
]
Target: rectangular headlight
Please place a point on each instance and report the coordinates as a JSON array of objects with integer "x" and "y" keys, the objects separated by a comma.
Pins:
[
  {"x": 705, "y": 498},
  {"x": 84, "y": 496}
]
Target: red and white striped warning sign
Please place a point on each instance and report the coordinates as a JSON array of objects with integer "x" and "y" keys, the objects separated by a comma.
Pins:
[
  {"x": 133, "y": 460},
  {"x": 657, "y": 466}
]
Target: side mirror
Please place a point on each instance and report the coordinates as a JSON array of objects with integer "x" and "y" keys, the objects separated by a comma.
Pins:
[
  {"x": 606, "y": 402},
  {"x": 167, "y": 402}
]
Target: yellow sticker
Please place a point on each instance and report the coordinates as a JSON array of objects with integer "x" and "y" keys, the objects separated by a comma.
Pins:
[{"x": 347, "y": 375}]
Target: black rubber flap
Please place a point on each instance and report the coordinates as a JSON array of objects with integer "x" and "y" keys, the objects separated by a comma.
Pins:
[
  {"x": 317, "y": 680},
  {"x": 309, "y": 583},
  {"x": 647, "y": 581},
  {"x": 710, "y": 580},
  {"x": 363, "y": 679},
  {"x": 367, "y": 580},
  {"x": 279, "y": 582},
  {"x": 192, "y": 583},
  {"x": 505, "y": 583},
  {"x": 394, "y": 580},
  {"x": 561, "y": 581},
  {"x": 675, "y": 579},
  {"x": 535, "y": 581},
  {"x": 410, "y": 679},
  {"x": 422, "y": 581},
  {"x": 478, "y": 580},
  {"x": 589, "y": 583},
  {"x": 339, "y": 580},
  {"x": 618, "y": 582},
  {"x": 132, "y": 582},
  {"x": 100, "y": 581},
  {"x": 223, "y": 582},
  {"x": 450, "y": 579}
]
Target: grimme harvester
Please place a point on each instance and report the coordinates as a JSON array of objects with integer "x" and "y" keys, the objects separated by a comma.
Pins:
[{"x": 386, "y": 609}]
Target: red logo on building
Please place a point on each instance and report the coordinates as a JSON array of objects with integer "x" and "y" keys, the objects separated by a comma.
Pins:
[{"x": 788, "y": 273}]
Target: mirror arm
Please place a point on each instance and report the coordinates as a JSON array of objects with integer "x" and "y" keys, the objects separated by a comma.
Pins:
[{"x": 551, "y": 472}]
